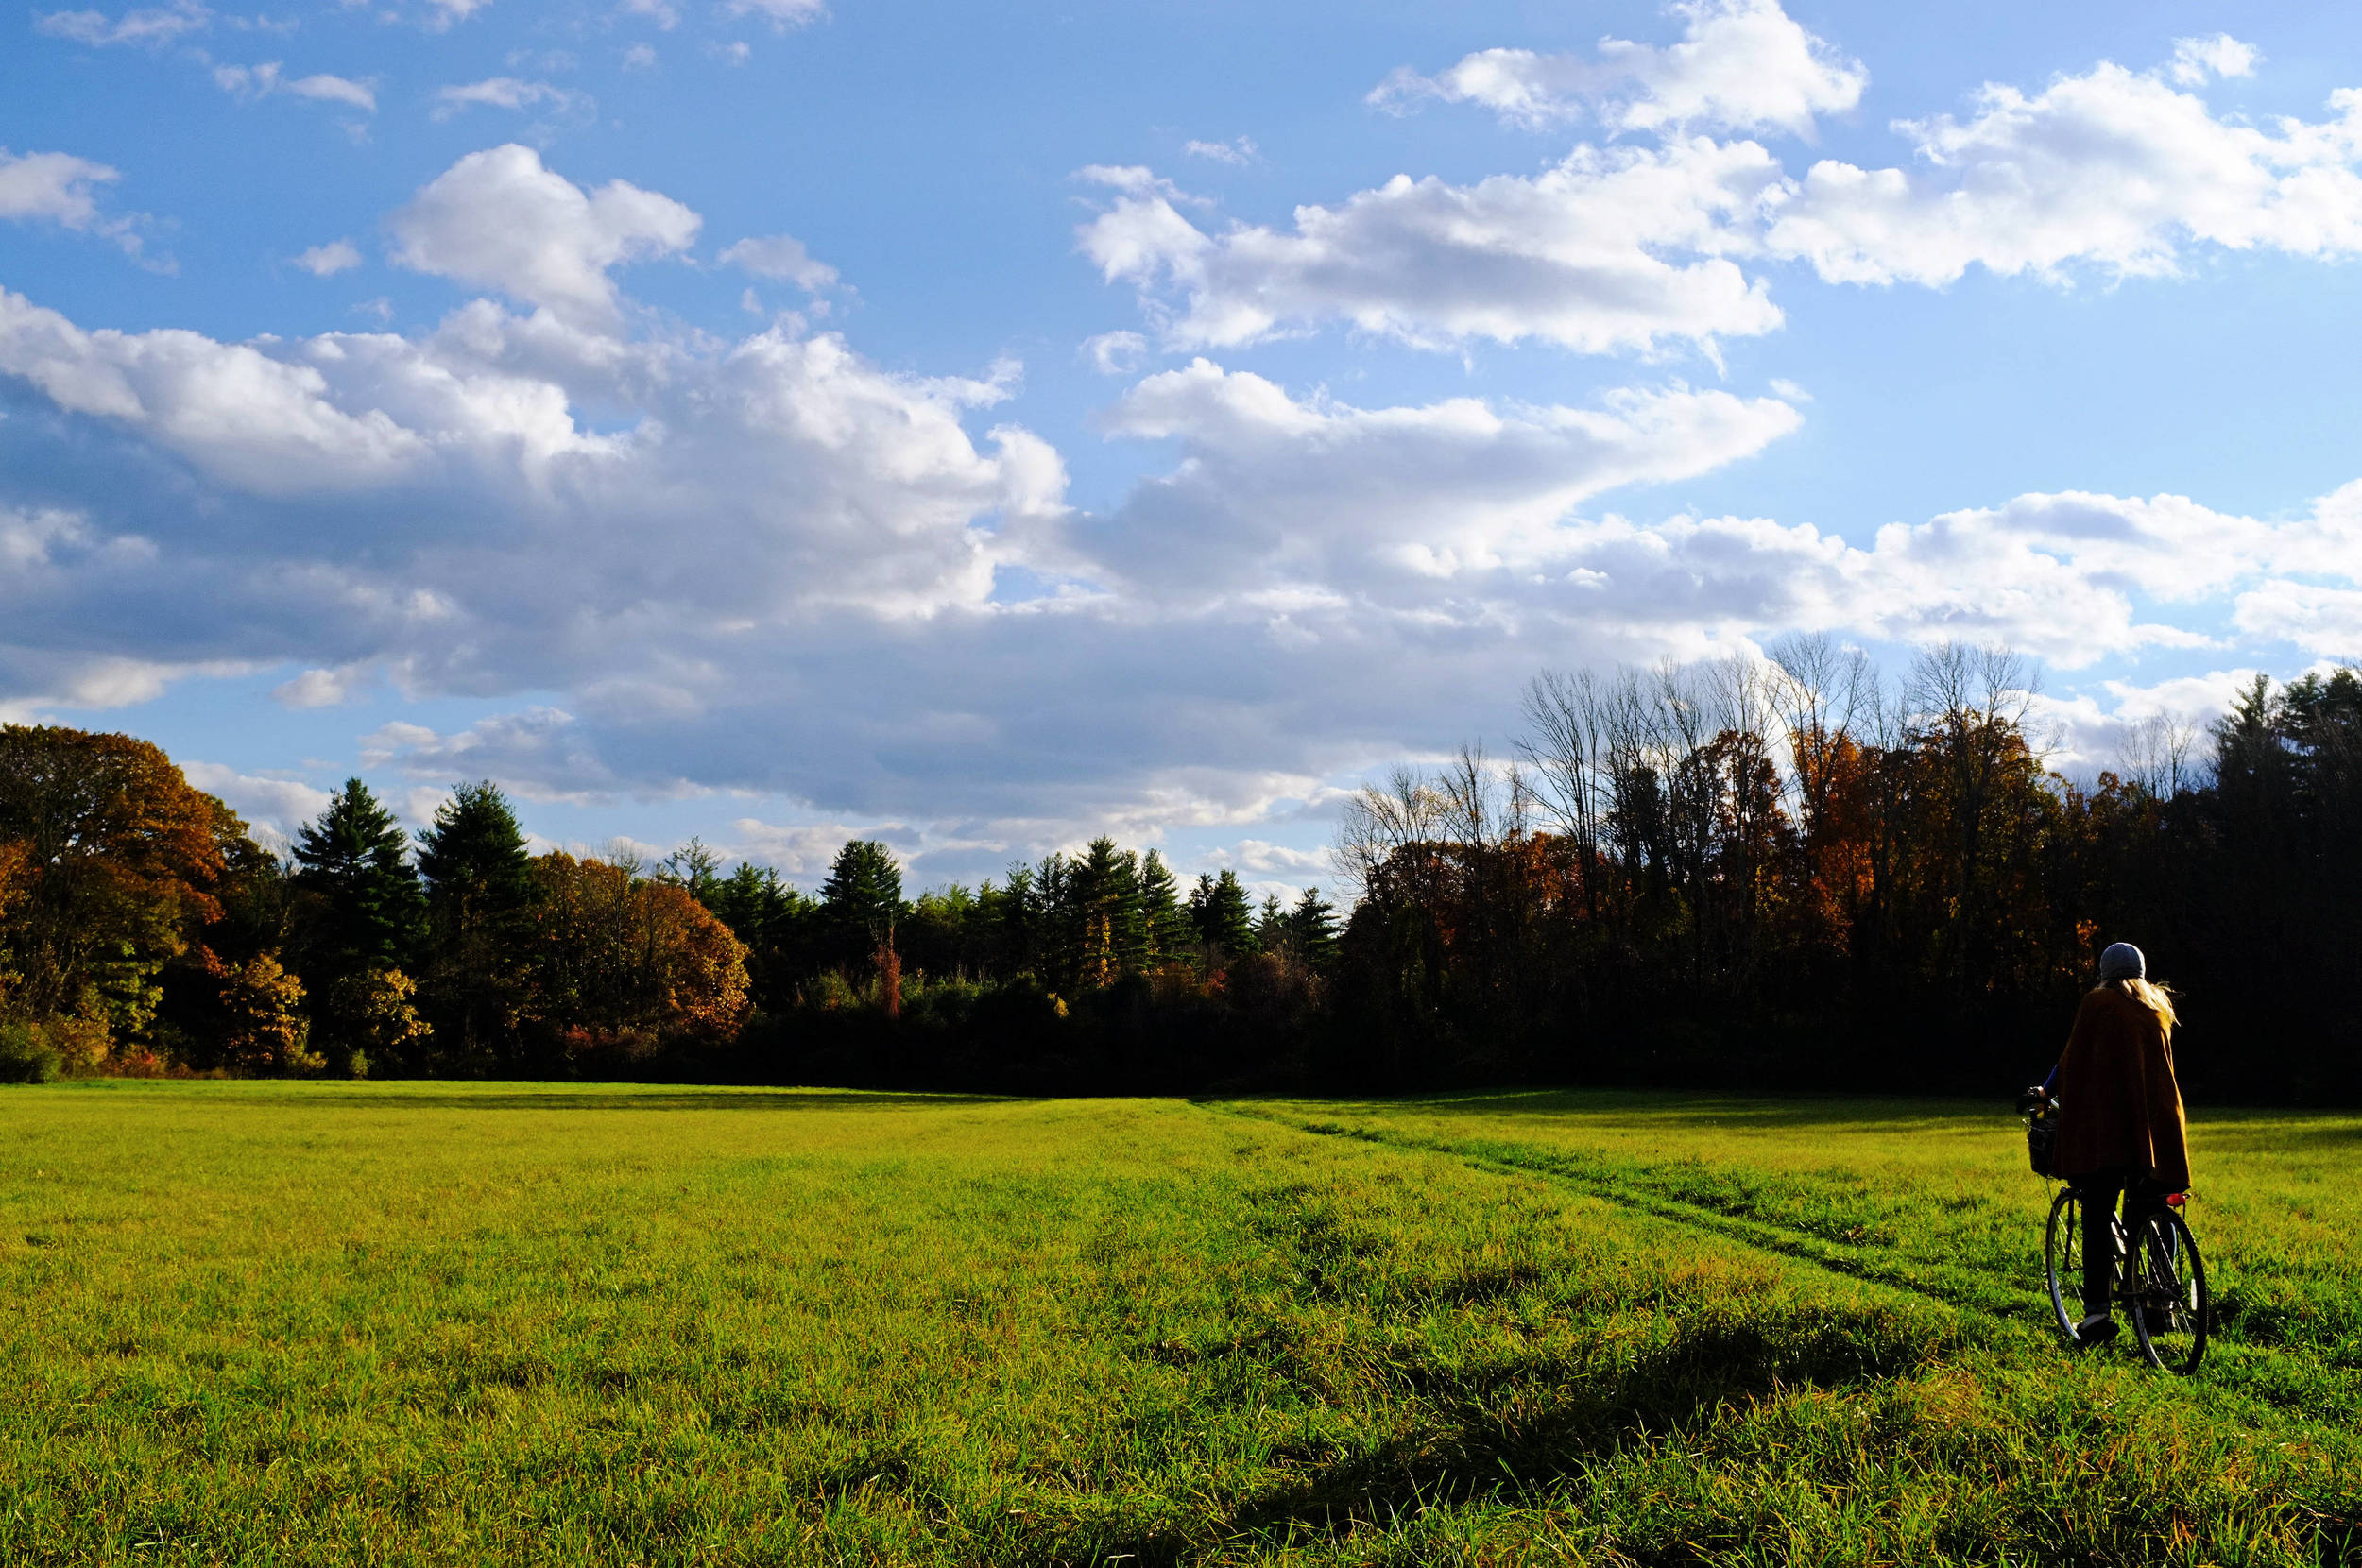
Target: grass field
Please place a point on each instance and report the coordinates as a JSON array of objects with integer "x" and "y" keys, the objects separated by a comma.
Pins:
[{"x": 398, "y": 1323}]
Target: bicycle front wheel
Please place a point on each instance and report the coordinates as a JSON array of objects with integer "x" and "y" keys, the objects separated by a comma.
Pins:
[
  {"x": 2164, "y": 1287},
  {"x": 2063, "y": 1260}
]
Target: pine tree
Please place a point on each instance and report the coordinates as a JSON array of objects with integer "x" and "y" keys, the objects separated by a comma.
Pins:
[
  {"x": 1271, "y": 925},
  {"x": 861, "y": 900},
  {"x": 1312, "y": 929},
  {"x": 479, "y": 887},
  {"x": 367, "y": 911},
  {"x": 1111, "y": 931},
  {"x": 1171, "y": 937},
  {"x": 1224, "y": 920}
]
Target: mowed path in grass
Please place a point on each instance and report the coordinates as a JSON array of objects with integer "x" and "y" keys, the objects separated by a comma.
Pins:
[{"x": 312, "y": 1323}]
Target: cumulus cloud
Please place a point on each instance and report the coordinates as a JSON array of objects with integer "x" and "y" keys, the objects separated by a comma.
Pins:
[
  {"x": 1576, "y": 256},
  {"x": 258, "y": 81},
  {"x": 54, "y": 187},
  {"x": 783, "y": 257},
  {"x": 1740, "y": 65},
  {"x": 499, "y": 219},
  {"x": 2113, "y": 169},
  {"x": 275, "y": 808},
  {"x": 59, "y": 188},
  {"x": 1643, "y": 248},
  {"x": 326, "y": 261},
  {"x": 2194, "y": 60},
  {"x": 152, "y": 27},
  {"x": 1296, "y": 500}
]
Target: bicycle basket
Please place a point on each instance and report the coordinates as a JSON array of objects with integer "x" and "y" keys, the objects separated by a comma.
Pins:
[{"x": 2042, "y": 1137}]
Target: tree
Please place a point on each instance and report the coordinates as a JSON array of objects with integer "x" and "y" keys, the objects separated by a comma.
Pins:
[
  {"x": 375, "y": 1020},
  {"x": 617, "y": 959},
  {"x": 369, "y": 911},
  {"x": 1170, "y": 938},
  {"x": 266, "y": 1032},
  {"x": 114, "y": 864},
  {"x": 1111, "y": 935},
  {"x": 863, "y": 898},
  {"x": 1271, "y": 925},
  {"x": 479, "y": 888},
  {"x": 1220, "y": 910},
  {"x": 1312, "y": 929}
]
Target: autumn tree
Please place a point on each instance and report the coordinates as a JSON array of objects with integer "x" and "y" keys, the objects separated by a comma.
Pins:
[{"x": 112, "y": 863}]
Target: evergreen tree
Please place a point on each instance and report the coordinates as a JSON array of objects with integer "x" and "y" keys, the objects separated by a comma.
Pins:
[
  {"x": 1312, "y": 929},
  {"x": 367, "y": 911},
  {"x": 1224, "y": 920},
  {"x": 862, "y": 900},
  {"x": 1271, "y": 925},
  {"x": 1170, "y": 935},
  {"x": 694, "y": 867},
  {"x": 1111, "y": 933},
  {"x": 479, "y": 888}
]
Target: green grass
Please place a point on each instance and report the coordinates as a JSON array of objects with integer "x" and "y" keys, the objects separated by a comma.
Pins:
[{"x": 403, "y": 1323}]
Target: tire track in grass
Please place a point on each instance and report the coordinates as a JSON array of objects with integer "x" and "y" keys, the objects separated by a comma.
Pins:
[
  {"x": 1974, "y": 1292},
  {"x": 2275, "y": 1376}
]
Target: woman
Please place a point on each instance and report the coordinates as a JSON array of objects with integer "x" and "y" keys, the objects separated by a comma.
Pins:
[{"x": 2121, "y": 1132}]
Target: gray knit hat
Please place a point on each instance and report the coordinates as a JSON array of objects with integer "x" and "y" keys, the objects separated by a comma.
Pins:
[{"x": 2122, "y": 960}]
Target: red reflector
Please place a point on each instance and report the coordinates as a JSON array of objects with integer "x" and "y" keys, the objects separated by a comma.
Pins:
[{"x": 2175, "y": 1199}]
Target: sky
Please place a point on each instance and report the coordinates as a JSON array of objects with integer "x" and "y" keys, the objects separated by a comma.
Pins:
[{"x": 981, "y": 427}]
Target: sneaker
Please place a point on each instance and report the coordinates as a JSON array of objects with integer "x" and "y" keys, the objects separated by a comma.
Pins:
[{"x": 2096, "y": 1329}]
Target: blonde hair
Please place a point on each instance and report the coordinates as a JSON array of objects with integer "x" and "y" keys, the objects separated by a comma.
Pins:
[{"x": 2154, "y": 998}]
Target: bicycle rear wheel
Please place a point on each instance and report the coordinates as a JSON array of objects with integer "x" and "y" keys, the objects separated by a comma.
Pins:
[
  {"x": 2164, "y": 1287},
  {"x": 2063, "y": 1260}
]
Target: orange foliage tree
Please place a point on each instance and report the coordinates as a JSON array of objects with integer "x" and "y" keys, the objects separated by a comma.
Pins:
[
  {"x": 620, "y": 959},
  {"x": 112, "y": 863}
]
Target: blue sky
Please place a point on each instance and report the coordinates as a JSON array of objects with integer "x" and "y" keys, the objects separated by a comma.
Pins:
[{"x": 985, "y": 426}]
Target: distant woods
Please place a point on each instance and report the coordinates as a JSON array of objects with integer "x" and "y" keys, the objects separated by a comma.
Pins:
[
  {"x": 1785, "y": 873},
  {"x": 143, "y": 930},
  {"x": 1800, "y": 873}
]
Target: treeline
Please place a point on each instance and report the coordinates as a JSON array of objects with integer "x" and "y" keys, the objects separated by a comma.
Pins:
[
  {"x": 1788, "y": 873},
  {"x": 143, "y": 930},
  {"x": 1797, "y": 873}
]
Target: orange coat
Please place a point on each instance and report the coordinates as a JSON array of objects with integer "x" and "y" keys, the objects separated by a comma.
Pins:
[{"x": 2119, "y": 1104}]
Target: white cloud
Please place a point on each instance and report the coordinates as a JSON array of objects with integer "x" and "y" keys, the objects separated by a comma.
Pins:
[
  {"x": 783, "y": 257},
  {"x": 155, "y": 25},
  {"x": 513, "y": 93},
  {"x": 326, "y": 261},
  {"x": 661, "y": 12},
  {"x": 2194, "y": 60},
  {"x": 500, "y": 220},
  {"x": 318, "y": 688},
  {"x": 274, "y": 808},
  {"x": 782, "y": 14},
  {"x": 443, "y": 13},
  {"x": 257, "y": 81},
  {"x": 1318, "y": 495},
  {"x": 736, "y": 52},
  {"x": 2113, "y": 169},
  {"x": 1575, "y": 255},
  {"x": 640, "y": 56},
  {"x": 1238, "y": 153},
  {"x": 54, "y": 187},
  {"x": 1115, "y": 353},
  {"x": 1741, "y": 64}
]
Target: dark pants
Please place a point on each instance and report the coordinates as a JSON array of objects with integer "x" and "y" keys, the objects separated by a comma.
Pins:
[{"x": 2102, "y": 1190}]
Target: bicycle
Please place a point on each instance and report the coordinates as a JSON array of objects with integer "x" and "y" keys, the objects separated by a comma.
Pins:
[{"x": 2159, "y": 1276}]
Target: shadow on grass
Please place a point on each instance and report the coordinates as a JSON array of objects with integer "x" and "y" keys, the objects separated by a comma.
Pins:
[{"x": 1526, "y": 1425}]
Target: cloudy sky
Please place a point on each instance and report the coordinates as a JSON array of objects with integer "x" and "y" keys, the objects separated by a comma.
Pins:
[{"x": 984, "y": 425}]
